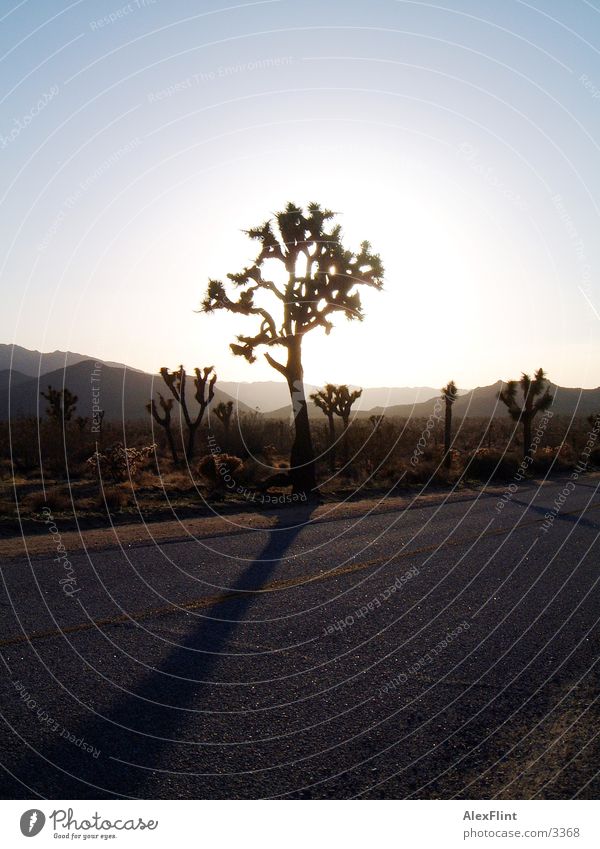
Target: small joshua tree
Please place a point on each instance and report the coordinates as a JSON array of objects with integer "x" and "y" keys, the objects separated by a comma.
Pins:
[
  {"x": 322, "y": 278},
  {"x": 449, "y": 395},
  {"x": 164, "y": 421},
  {"x": 61, "y": 405},
  {"x": 204, "y": 384},
  {"x": 224, "y": 411},
  {"x": 325, "y": 399},
  {"x": 536, "y": 398},
  {"x": 343, "y": 406}
]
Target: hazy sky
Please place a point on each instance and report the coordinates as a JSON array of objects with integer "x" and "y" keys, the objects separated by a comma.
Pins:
[{"x": 462, "y": 139}]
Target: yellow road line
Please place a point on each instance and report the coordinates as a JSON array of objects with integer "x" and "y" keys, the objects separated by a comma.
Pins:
[{"x": 273, "y": 586}]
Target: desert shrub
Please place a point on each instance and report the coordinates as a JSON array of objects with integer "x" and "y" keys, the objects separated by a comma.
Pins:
[
  {"x": 427, "y": 473},
  {"x": 6, "y": 469},
  {"x": 7, "y": 507},
  {"x": 120, "y": 463},
  {"x": 55, "y": 499},
  {"x": 112, "y": 499},
  {"x": 595, "y": 456},
  {"x": 486, "y": 464},
  {"x": 177, "y": 481},
  {"x": 251, "y": 473},
  {"x": 557, "y": 459},
  {"x": 145, "y": 479},
  {"x": 220, "y": 470},
  {"x": 544, "y": 460}
]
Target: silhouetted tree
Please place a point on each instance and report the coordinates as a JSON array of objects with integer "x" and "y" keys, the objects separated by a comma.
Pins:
[
  {"x": 376, "y": 420},
  {"x": 204, "y": 392},
  {"x": 536, "y": 398},
  {"x": 164, "y": 421},
  {"x": 343, "y": 407},
  {"x": 325, "y": 399},
  {"x": 449, "y": 395},
  {"x": 224, "y": 411},
  {"x": 321, "y": 278},
  {"x": 61, "y": 405}
]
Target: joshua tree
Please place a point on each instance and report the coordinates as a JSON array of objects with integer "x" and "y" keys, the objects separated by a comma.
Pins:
[
  {"x": 166, "y": 405},
  {"x": 223, "y": 411},
  {"x": 61, "y": 405},
  {"x": 204, "y": 384},
  {"x": 321, "y": 278},
  {"x": 325, "y": 399},
  {"x": 377, "y": 420},
  {"x": 536, "y": 398},
  {"x": 449, "y": 395},
  {"x": 344, "y": 401}
]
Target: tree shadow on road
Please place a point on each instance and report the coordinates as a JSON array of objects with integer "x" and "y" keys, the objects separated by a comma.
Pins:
[
  {"x": 161, "y": 706},
  {"x": 574, "y": 518}
]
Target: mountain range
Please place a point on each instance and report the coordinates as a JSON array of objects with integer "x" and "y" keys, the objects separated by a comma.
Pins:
[
  {"x": 269, "y": 395},
  {"x": 123, "y": 392},
  {"x": 33, "y": 363}
]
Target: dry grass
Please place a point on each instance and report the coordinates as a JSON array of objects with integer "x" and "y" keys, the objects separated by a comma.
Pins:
[
  {"x": 380, "y": 461},
  {"x": 56, "y": 499}
]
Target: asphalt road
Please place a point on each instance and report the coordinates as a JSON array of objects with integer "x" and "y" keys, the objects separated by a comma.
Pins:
[{"x": 213, "y": 668}]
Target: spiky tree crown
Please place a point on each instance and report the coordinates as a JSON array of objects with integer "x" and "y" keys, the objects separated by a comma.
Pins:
[
  {"x": 204, "y": 389},
  {"x": 61, "y": 403},
  {"x": 536, "y": 395},
  {"x": 166, "y": 405},
  {"x": 322, "y": 276},
  {"x": 325, "y": 399},
  {"x": 345, "y": 400},
  {"x": 335, "y": 400},
  {"x": 223, "y": 411},
  {"x": 450, "y": 392}
]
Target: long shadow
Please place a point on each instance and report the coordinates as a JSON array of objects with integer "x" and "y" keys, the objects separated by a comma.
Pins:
[
  {"x": 195, "y": 658},
  {"x": 577, "y": 519}
]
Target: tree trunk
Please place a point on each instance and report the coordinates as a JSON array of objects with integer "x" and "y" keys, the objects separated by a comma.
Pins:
[
  {"x": 447, "y": 435},
  {"x": 526, "y": 436},
  {"x": 331, "y": 443},
  {"x": 191, "y": 443},
  {"x": 172, "y": 446},
  {"x": 302, "y": 459},
  {"x": 346, "y": 423}
]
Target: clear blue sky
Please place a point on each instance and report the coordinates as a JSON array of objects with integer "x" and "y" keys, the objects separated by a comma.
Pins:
[{"x": 462, "y": 138}]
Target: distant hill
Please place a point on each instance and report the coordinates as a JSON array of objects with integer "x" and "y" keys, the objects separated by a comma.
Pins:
[
  {"x": 270, "y": 396},
  {"x": 123, "y": 393},
  {"x": 483, "y": 402},
  {"x": 11, "y": 378},
  {"x": 479, "y": 402},
  {"x": 34, "y": 363}
]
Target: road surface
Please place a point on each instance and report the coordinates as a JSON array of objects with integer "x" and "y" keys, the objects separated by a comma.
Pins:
[{"x": 444, "y": 651}]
